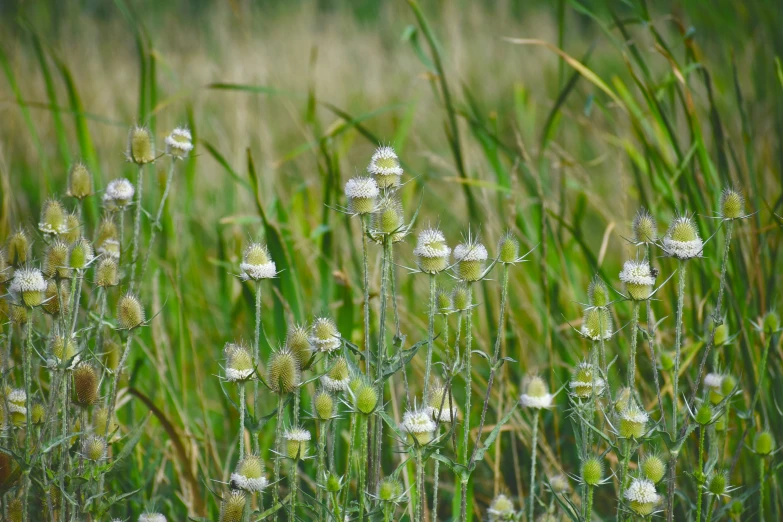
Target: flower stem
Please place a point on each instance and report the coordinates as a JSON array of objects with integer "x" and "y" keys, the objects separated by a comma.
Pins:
[
  {"x": 589, "y": 508},
  {"x": 762, "y": 479},
  {"x": 241, "y": 420},
  {"x": 366, "y": 288},
  {"x": 320, "y": 479},
  {"x": 700, "y": 474},
  {"x": 468, "y": 393},
  {"x": 278, "y": 445},
  {"x": 349, "y": 463},
  {"x": 632, "y": 358},
  {"x": 256, "y": 340},
  {"x": 430, "y": 336},
  {"x": 78, "y": 276},
  {"x": 533, "y": 449},
  {"x": 678, "y": 341},
  {"x": 294, "y": 487},
  {"x": 116, "y": 381},
  {"x": 28, "y": 436},
  {"x": 420, "y": 495},
  {"x": 624, "y": 473},
  {"x": 364, "y": 424},
  {"x": 137, "y": 225},
  {"x": 710, "y": 506},
  {"x": 156, "y": 225}
]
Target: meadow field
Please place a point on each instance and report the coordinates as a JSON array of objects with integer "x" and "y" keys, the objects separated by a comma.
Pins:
[{"x": 390, "y": 260}]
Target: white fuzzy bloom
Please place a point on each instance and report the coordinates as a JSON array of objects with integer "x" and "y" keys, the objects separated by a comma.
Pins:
[
  {"x": 152, "y": 517},
  {"x": 179, "y": 143},
  {"x": 109, "y": 248},
  {"x": 713, "y": 380},
  {"x": 382, "y": 161},
  {"x": 470, "y": 252},
  {"x": 431, "y": 243},
  {"x": 119, "y": 190},
  {"x": 17, "y": 399},
  {"x": 249, "y": 484},
  {"x": 537, "y": 402},
  {"x": 418, "y": 421},
  {"x": 27, "y": 280},
  {"x": 233, "y": 375},
  {"x": 642, "y": 491},
  {"x": 446, "y": 414},
  {"x": 637, "y": 273},
  {"x": 256, "y": 272},
  {"x": 599, "y": 385},
  {"x": 635, "y": 415},
  {"x": 335, "y": 385},
  {"x": 682, "y": 239},
  {"x": 325, "y": 338},
  {"x": 365, "y": 188},
  {"x": 298, "y": 435}
]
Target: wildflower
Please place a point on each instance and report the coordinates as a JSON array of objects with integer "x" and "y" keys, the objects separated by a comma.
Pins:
[
  {"x": 151, "y": 517},
  {"x": 323, "y": 403},
  {"x": 470, "y": 257},
  {"x": 654, "y": 468},
  {"x": 638, "y": 279},
  {"x": 388, "y": 220},
  {"x": 643, "y": 496},
  {"x": 714, "y": 382},
  {"x": 419, "y": 426},
  {"x": 283, "y": 371},
  {"x": 390, "y": 490},
  {"x": 338, "y": 377},
  {"x": 79, "y": 181},
  {"x": 431, "y": 251},
  {"x": 324, "y": 335},
  {"x": 385, "y": 167},
  {"x": 365, "y": 398},
  {"x": 443, "y": 301},
  {"x": 592, "y": 471},
  {"x": 764, "y": 443},
  {"x": 130, "y": 313},
  {"x": 239, "y": 363},
  {"x": 55, "y": 263},
  {"x": 257, "y": 264},
  {"x": 118, "y": 195},
  {"x": 73, "y": 228},
  {"x": 559, "y": 484},
  {"x": 249, "y": 475},
  {"x": 106, "y": 273},
  {"x": 94, "y": 448},
  {"x": 85, "y": 383},
  {"x": 584, "y": 382},
  {"x": 508, "y": 249},
  {"x": 232, "y": 508},
  {"x": 18, "y": 250},
  {"x": 333, "y": 483},
  {"x": 633, "y": 421},
  {"x": 53, "y": 218},
  {"x": 29, "y": 286},
  {"x": 682, "y": 239},
  {"x": 442, "y": 406},
  {"x": 361, "y": 194},
  {"x": 501, "y": 508},
  {"x": 732, "y": 204},
  {"x": 179, "y": 143},
  {"x": 298, "y": 341},
  {"x": 81, "y": 254},
  {"x": 17, "y": 401},
  {"x": 597, "y": 324},
  {"x": 718, "y": 484},
  {"x": 297, "y": 441},
  {"x": 645, "y": 228},
  {"x": 141, "y": 148},
  {"x": 54, "y": 295},
  {"x": 536, "y": 394}
]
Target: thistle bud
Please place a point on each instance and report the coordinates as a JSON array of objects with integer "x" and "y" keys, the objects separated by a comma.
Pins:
[
  {"x": 130, "y": 313},
  {"x": 638, "y": 279},
  {"x": 732, "y": 204},
  {"x": 338, "y": 377},
  {"x": 73, "y": 229},
  {"x": 323, "y": 404},
  {"x": 111, "y": 353},
  {"x": 388, "y": 219},
  {"x": 361, "y": 194},
  {"x": 721, "y": 335},
  {"x": 703, "y": 414},
  {"x": 141, "y": 146},
  {"x": 325, "y": 337},
  {"x": 419, "y": 426},
  {"x": 53, "y": 218},
  {"x": 764, "y": 443},
  {"x": 385, "y": 168},
  {"x": 585, "y": 382},
  {"x": 470, "y": 257},
  {"x": 100, "y": 422},
  {"x": 536, "y": 393},
  {"x": 297, "y": 441},
  {"x": 37, "y": 412},
  {"x": 642, "y": 496},
  {"x": 645, "y": 229},
  {"x": 56, "y": 261},
  {"x": 365, "y": 398},
  {"x": 106, "y": 273},
  {"x": 179, "y": 143},
  {"x": 94, "y": 448},
  {"x": 333, "y": 483},
  {"x": 249, "y": 475},
  {"x": 598, "y": 293},
  {"x": 232, "y": 507},
  {"x": 81, "y": 254},
  {"x": 682, "y": 239},
  {"x": 654, "y": 468},
  {"x": 298, "y": 341},
  {"x": 283, "y": 372},
  {"x": 501, "y": 508},
  {"x": 461, "y": 297},
  {"x": 64, "y": 352},
  {"x": 508, "y": 249},
  {"x": 597, "y": 324},
  {"x": 721, "y": 424},
  {"x": 18, "y": 251},
  {"x": 85, "y": 384},
  {"x": 633, "y": 421},
  {"x": 442, "y": 405},
  {"x": 257, "y": 263},
  {"x": 718, "y": 483},
  {"x": 79, "y": 181},
  {"x": 431, "y": 251},
  {"x": 443, "y": 301},
  {"x": 390, "y": 489},
  {"x": 239, "y": 363},
  {"x": 28, "y": 286},
  {"x": 592, "y": 471},
  {"x": 736, "y": 507},
  {"x": 118, "y": 195},
  {"x": 53, "y": 299}
]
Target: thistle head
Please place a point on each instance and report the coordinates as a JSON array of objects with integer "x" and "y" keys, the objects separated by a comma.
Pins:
[
  {"x": 324, "y": 335},
  {"x": 297, "y": 442},
  {"x": 81, "y": 254},
  {"x": 283, "y": 373},
  {"x": 638, "y": 278},
  {"x": 645, "y": 228},
  {"x": 85, "y": 384},
  {"x": 249, "y": 474},
  {"x": 704, "y": 414},
  {"x": 141, "y": 146},
  {"x": 37, "y": 412},
  {"x": 388, "y": 219},
  {"x": 419, "y": 426},
  {"x": 732, "y": 204},
  {"x": 461, "y": 297},
  {"x": 179, "y": 143},
  {"x": 508, "y": 249},
  {"x": 365, "y": 398},
  {"x": 432, "y": 253},
  {"x": 323, "y": 404},
  {"x": 118, "y": 195},
  {"x": 107, "y": 273},
  {"x": 361, "y": 194},
  {"x": 682, "y": 240},
  {"x": 642, "y": 496},
  {"x": 53, "y": 298},
  {"x": 718, "y": 483},
  {"x": 73, "y": 228},
  {"x": 443, "y": 303},
  {"x": 18, "y": 249},
  {"x": 501, "y": 508},
  {"x": 763, "y": 443},
  {"x": 536, "y": 394},
  {"x": 333, "y": 483},
  {"x": 470, "y": 257},
  {"x": 63, "y": 350},
  {"x": 298, "y": 341},
  {"x": 232, "y": 508},
  {"x": 338, "y": 377},
  {"x": 239, "y": 362},
  {"x": 55, "y": 265},
  {"x": 390, "y": 490},
  {"x": 633, "y": 421},
  {"x": 592, "y": 471},
  {"x": 94, "y": 448},
  {"x": 28, "y": 286},
  {"x": 654, "y": 468},
  {"x": 585, "y": 381},
  {"x": 79, "y": 181},
  {"x": 257, "y": 264},
  {"x": 130, "y": 312},
  {"x": 598, "y": 293},
  {"x": 53, "y": 218},
  {"x": 385, "y": 168},
  {"x": 597, "y": 324}
]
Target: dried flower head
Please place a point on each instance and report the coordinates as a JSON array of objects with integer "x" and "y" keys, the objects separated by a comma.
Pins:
[
  {"x": 283, "y": 372},
  {"x": 53, "y": 218},
  {"x": 645, "y": 228},
  {"x": 361, "y": 194},
  {"x": 432, "y": 252},
  {"x": 249, "y": 474},
  {"x": 419, "y": 426},
  {"x": 385, "y": 168},
  {"x": 79, "y": 181},
  {"x": 638, "y": 279},
  {"x": 232, "y": 508},
  {"x": 239, "y": 362},
  {"x": 179, "y": 143},
  {"x": 85, "y": 384},
  {"x": 28, "y": 286},
  {"x": 536, "y": 393},
  {"x": 654, "y": 468},
  {"x": 55, "y": 263},
  {"x": 257, "y": 263},
  {"x": 470, "y": 257},
  {"x": 118, "y": 195},
  {"x": 642, "y": 496},
  {"x": 338, "y": 377},
  {"x": 732, "y": 204},
  {"x": 324, "y": 336},
  {"x": 592, "y": 471},
  {"x": 585, "y": 381},
  {"x": 81, "y": 254},
  {"x": 633, "y": 421},
  {"x": 323, "y": 404},
  {"x": 141, "y": 146},
  {"x": 501, "y": 508},
  {"x": 130, "y": 313},
  {"x": 297, "y": 441},
  {"x": 94, "y": 448},
  {"x": 443, "y": 406},
  {"x": 682, "y": 239},
  {"x": 18, "y": 249}
]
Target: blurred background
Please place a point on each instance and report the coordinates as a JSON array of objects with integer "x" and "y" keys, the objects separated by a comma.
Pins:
[{"x": 660, "y": 104}]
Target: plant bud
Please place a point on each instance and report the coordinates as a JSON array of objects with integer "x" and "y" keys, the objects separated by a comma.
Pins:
[
  {"x": 18, "y": 250},
  {"x": 470, "y": 257},
  {"x": 419, "y": 426},
  {"x": 732, "y": 204},
  {"x": 106, "y": 273},
  {"x": 94, "y": 448},
  {"x": 64, "y": 351},
  {"x": 721, "y": 335},
  {"x": 179, "y": 143},
  {"x": 390, "y": 489},
  {"x": 718, "y": 483},
  {"x": 73, "y": 229},
  {"x": 703, "y": 414},
  {"x": 559, "y": 484},
  {"x": 720, "y": 423},
  {"x": 536, "y": 394},
  {"x": 597, "y": 324},
  {"x": 443, "y": 301},
  {"x": 388, "y": 218},
  {"x": 52, "y": 300},
  {"x": 333, "y": 484},
  {"x": 249, "y": 474},
  {"x": 81, "y": 254},
  {"x": 682, "y": 239},
  {"x": 17, "y": 401},
  {"x": 37, "y": 412},
  {"x": 239, "y": 363},
  {"x": 324, "y": 405},
  {"x": 79, "y": 181},
  {"x": 764, "y": 443},
  {"x": 130, "y": 313},
  {"x": 431, "y": 251},
  {"x": 385, "y": 168},
  {"x": 598, "y": 293},
  {"x": 638, "y": 279},
  {"x": 53, "y": 218},
  {"x": 85, "y": 384},
  {"x": 508, "y": 249},
  {"x": 283, "y": 372},
  {"x": 107, "y": 239},
  {"x": 325, "y": 337},
  {"x": 56, "y": 261},
  {"x": 736, "y": 507},
  {"x": 28, "y": 286},
  {"x": 461, "y": 296},
  {"x": 771, "y": 322},
  {"x": 141, "y": 146},
  {"x": 654, "y": 468},
  {"x": 633, "y": 421},
  {"x": 365, "y": 398},
  {"x": 232, "y": 507},
  {"x": 361, "y": 194},
  {"x": 501, "y": 508},
  {"x": 645, "y": 229},
  {"x": 297, "y": 442},
  {"x": 592, "y": 471},
  {"x": 298, "y": 341}
]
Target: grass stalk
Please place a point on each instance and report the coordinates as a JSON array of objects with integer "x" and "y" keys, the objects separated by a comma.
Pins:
[
  {"x": 156, "y": 225},
  {"x": 137, "y": 225}
]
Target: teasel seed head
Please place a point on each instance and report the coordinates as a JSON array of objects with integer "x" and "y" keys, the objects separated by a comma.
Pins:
[
  {"x": 585, "y": 382},
  {"x": 107, "y": 273},
  {"x": 239, "y": 363},
  {"x": 283, "y": 374},
  {"x": 390, "y": 490},
  {"x": 249, "y": 475},
  {"x": 6, "y": 270},
  {"x": 721, "y": 335},
  {"x": 107, "y": 239},
  {"x": 51, "y": 302},
  {"x": 654, "y": 468},
  {"x": 441, "y": 405},
  {"x": 100, "y": 420},
  {"x": 764, "y": 443},
  {"x": 81, "y": 254},
  {"x": 37, "y": 412},
  {"x": 682, "y": 239},
  {"x": 597, "y": 324},
  {"x": 130, "y": 313},
  {"x": 28, "y": 286},
  {"x": 232, "y": 507},
  {"x": 461, "y": 297},
  {"x": 141, "y": 146},
  {"x": 703, "y": 414},
  {"x": 63, "y": 350},
  {"x": 53, "y": 218},
  {"x": 419, "y": 426},
  {"x": 443, "y": 301},
  {"x": 732, "y": 204},
  {"x": 79, "y": 181},
  {"x": 17, "y": 406},
  {"x": 470, "y": 257},
  {"x": 85, "y": 383},
  {"x": 642, "y": 496},
  {"x": 297, "y": 441},
  {"x": 645, "y": 228},
  {"x": 508, "y": 249},
  {"x": 365, "y": 398},
  {"x": 15, "y": 510},
  {"x": 18, "y": 315},
  {"x": 55, "y": 263},
  {"x": 323, "y": 404},
  {"x": 385, "y": 168},
  {"x": 638, "y": 278},
  {"x": 338, "y": 377},
  {"x": 633, "y": 421},
  {"x": 713, "y": 382},
  {"x": 333, "y": 483},
  {"x": 151, "y": 517},
  {"x": 536, "y": 393},
  {"x": 257, "y": 264},
  {"x": 501, "y": 508},
  {"x": 598, "y": 293},
  {"x": 324, "y": 336},
  {"x": 432, "y": 253},
  {"x": 179, "y": 143},
  {"x": 118, "y": 195},
  {"x": 298, "y": 341},
  {"x": 361, "y": 193},
  {"x": 94, "y": 448},
  {"x": 623, "y": 400},
  {"x": 18, "y": 249},
  {"x": 771, "y": 322},
  {"x": 388, "y": 219},
  {"x": 718, "y": 483},
  {"x": 592, "y": 471},
  {"x": 73, "y": 229}
]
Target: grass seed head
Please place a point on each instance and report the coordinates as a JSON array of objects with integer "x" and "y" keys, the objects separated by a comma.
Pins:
[
  {"x": 130, "y": 313},
  {"x": 79, "y": 181},
  {"x": 732, "y": 204},
  {"x": 361, "y": 193},
  {"x": 141, "y": 146},
  {"x": 283, "y": 372}
]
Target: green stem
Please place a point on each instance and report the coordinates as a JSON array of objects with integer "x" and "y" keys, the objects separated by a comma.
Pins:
[
  {"x": 589, "y": 508},
  {"x": 624, "y": 473},
  {"x": 294, "y": 487},
  {"x": 256, "y": 340},
  {"x": 137, "y": 225},
  {"x": 420, "y": 498},
  {"x": 430, "y": 336},
  {"x": 366, "y": 288},
  {"x": 436, "y": 473},
  {"x": 468, "y": 373},
  {"x": 320, "y": 478},
  {"x": 700, "y": 474},
  {"x": 28, "y": 436},
  {"x": 373, "y": 456},
  {"x": 632, "y": 358},
  {"x": 278, "y": 447},
  {"x": 710, "y": 507},
  {"x": 533, "y": 450},
  {"x": 116, "y": 381},
  {"x": 241, "y": 420},
  {"x": 762, "y": 479},
  {"x": 387, "y": 511},
  {"x": 364, "y": 424},
  {"x": 77, "y": 283},
  {"x": 349, "y": 463},
  {"x": 654, "y": 360},
  {"x": 156, "y": 225},
  {"x": 678, "y": 341}
]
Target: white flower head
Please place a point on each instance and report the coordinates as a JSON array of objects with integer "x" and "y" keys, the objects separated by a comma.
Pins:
[
  {"x": 27, "y": 280},
  {"x": 501, "y": 508},
  {"x": 470, "y": 252},
  {"x": 257, "y": 264},
  {"x": 431, "y": 243},
  {"x": 17, "y": 398},
  {"x": 249, "y": 484},
  {"x": 682, "y": 239},
  {"x": 385, "y": 166},
  {"x": 152, "y": 517},
  {"x": 642, "y": 491},
  {"x": 249, "y": 475},
  {"x": 335, "y": 385},
  {"x": 179, "y": 143},
  {"x": 635, "y": 414},
  {"x": 536, "y": 394},
  {"x": 118, "y": 194},
  {"x": 637, "y": 273},
  {"x": 361, "y": 187},
  {"x": 298, "y": 435},
  {"x": 417, "y": 422},
  {"x": 325, "y": 337},
  {"x": 713, "y": 380}
]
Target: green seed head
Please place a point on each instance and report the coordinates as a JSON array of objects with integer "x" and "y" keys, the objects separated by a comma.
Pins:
[
  {"x": 361, "y": 194},
  {"x": 85, "y": 383},
  {"x": 130, "y": 313},
  {"x": 385, "y": 168},
  {"x": 239, "y": 362},
  {"x": 256, "y": 254},
  {"x": 704, "y": 414},
  {"x": 18, "y": 250},
  {"x": 179, "y": 143},
  {"x": 443, "y": 301},
  {"x": 333, "y": 484},
  {"x": 53, "y": 218},
  {"x": 251, "y": 466},
  {"x": 339, "y": 370},
  {"x": 736, "y": 507},
  {"x": 461, "y": 297},
  {"x": 233, "y": 507},
  {"x": 99, "y": 422},
  {"x": 107, "y": 273},
  {"x": 365, "y": 398},
  {"x": 81, "y": 254},
  {"x": 732, "y": 204},
  {"x": 323, "y": 404},
  {"x": 721, "y": 335},
  {"x": 728, "y": 384},
  {"x": 283, "y": 372},
  {"x": 18, "y": 315},
  {"x": 94, "y": 448},
  {"x": 298, "y": 341},
  {"x": 592, "y": 471},
  {"x": 654, "y": 468},
  {"x": 720, "y": 424},
  {"x": 598, "y": 293},
  {"x": 633, "y": 421},
  {"x": 79, "y": 181},
  {"x": 508, "y": 248},
  {"x": 683, "y": 229},
  {"x": 37, "y": 412},
  {"x": 297, "y": 441},
  {"x": 597, "y": 324},
  {"x": 718, "y": 483},
  {"x": 501, "y": 508},
  {"x": 645, "y": 229},
  {"x": 470, "y": 257},
  {"x": 28, "y": 286},
  {"x": 63, "y": 348},
  {"x": 764, "y": 443},
  {"x": 388, "y": 217},
  {"x": 584, "y": 379},
  {"x": 390, "y": 489},
  {"x": 536, "y": 387},
  {"x": 15, "y": 510},
  {"x": 56, "y": 261},
  {"x": 141, "y": 146},
  {"x": 771, "y": 322}
]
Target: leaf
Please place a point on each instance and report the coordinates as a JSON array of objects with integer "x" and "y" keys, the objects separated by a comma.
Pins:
[{"x": 133, "y": 438}]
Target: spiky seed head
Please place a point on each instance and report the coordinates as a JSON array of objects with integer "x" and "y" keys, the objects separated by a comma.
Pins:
[
  {"x": 461, "y": 297},
  {"x": 94, "y": 448},
  {"x": 100, "y": 417},
  {"x": 37, "y": 412},
  {"x": 324, "y": 335},
  {"x": 419, "y": 426},
  {"x": 645, "y": 228},
  {"x": 298, "y": 341},
  {"x": 764, "y": 443},
  {"x": 15, "y": 510},
  {"x": 443, "y": 301},
  {"x": 388, "y": 218},
  {"x": 130, "y": 313},
  {"x": 598, "y": 293},
  {"x": 727, "y": 385},
  {"x": 470, "y": 257},
  {"x": 718, "y": 483},
  {"x": 597, "y": 324},
  {"x": 18, "y": 249},
  {"x": 592, "y": 471},
  {"x": 633, "y": 421},
  {"x": 536, "y": 393},
  {"x": 73, "y": 229},
  {"x": 654, "y": 468},
  {"x": 365, "y": 398},
  {"x": 249, "y": 474},
  {"x": 6, "y": 271},
  {"x": 732, "y": 204},
  {"x": 432, "y": 253},
  {"x": 667, "y": 361},
  {"x": 771, "y": 322},
  {"x": 239, "y": 362},
  {"x": 385, "y": 168},
  {"x": 107, "y": 239},
  {"x": 356, "y": 381},
  {"x": 55, "y": 263},
  {"x": 81, "y": 254},
  {"x": 79, "y": 181},
  {"x": 642, "y": 496},
  {"x": 151, "y": 517},
  {"x": 508, "y": 248},
  {"x": 623, "y": 400},
  {"x": 179, "y": 143},
  {"x": 18, "y": 315},
  {"x": 441, "y": 404},
  {"x": 64, "y": 351},
  {"x": 323, "y": 403},
  {"x": 141, "y": 146},
  {"x": 721, "y": 335},
  {"x": 390, "y": 489},
  {"x": 52, "y": 299},
  {"x": 361, "y": 194},
  {"x": 283, "y": 371},
  {"x": 333, "y": 483},
  {"x": 585, "y": 381},
  {"x": 110, "y": 248},
  {"x": 28, "y": 286},
  {"x": 257, "y": 263},
  {"x": 85, "y": 384},
  {"x": 107, "y": 273},
  {"x": 118, "y": 195},
  {"x": 682, "y": 240},
  {"x": 703, "y": 414},
  {"x": 638, "y": 279},
  {"x": 53, "y": 218},
  {"x": 297, "y": 442},
  {"x": 232, "y": 507},
  {"x": 559, "y": 484},
  {"x": 501, "y": 508},
  {"x": 17, "y": 400},
  {"x": 111, "y": 353},
  {"x": 338, "y": 377}
]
